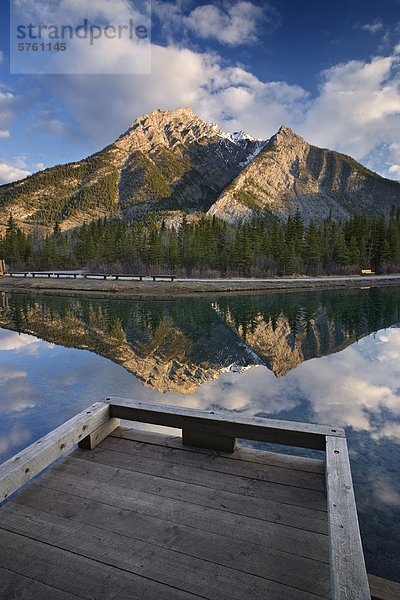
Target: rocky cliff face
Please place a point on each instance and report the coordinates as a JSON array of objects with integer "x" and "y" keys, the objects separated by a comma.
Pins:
[
  {"x": 289, "y": 175},
  {"x": 175, "y": 161},
  {"x": 167, "y": 160}
]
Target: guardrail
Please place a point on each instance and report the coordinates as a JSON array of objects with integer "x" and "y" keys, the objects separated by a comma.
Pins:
[
  {"x": 218, "y": 431},
  {"x": 116, "y": 276}
]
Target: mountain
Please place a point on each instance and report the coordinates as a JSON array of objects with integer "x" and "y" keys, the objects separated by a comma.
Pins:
[
  {"x": 289, "y": 175},
  {"x": 165, "y": 161},
  {"x": 174, "y": 161}
]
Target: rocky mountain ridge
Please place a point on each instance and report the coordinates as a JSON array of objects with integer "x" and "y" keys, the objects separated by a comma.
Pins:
[
  {"x": 289, "y": 175},
  {"x": 170, "y": 161}
]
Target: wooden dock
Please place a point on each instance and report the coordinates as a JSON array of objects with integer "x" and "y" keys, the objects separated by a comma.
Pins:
[{"x": 133, "y": 514}]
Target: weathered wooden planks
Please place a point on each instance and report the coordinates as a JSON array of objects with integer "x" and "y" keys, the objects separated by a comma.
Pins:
[
  {"x": 240, "y": 527},
  {"x": 382, "y": 589},
  {"x": 76, "y": 574},
  {"x": 237, "y": 504},
  {"x": 172, "y": 521},
  {"x": 246, "y": 486},
  {"x": 14, "y": 585},
  {"x": 161, "y": 565},
  {"x": 348, "y": 573},
  {"x": 196, "y": 460},
  {"x": 289, "y": 433},
  {"x": 282, "y": 567},
  {"x": 241, "y": 453},
  {"x": 26, "y": 464}
]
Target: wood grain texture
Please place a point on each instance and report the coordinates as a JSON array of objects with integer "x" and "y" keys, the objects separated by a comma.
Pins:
[
  {"x": 25, "y": 465},
  {"x": 15, "y": 586},
  {"x": 76, "y": 574},
  {"x": 242, "y": 453},
  {"x": 144, "y": 516},
  {"x": 265, "y": 533},
  {"x": 383, "y": 589},
  {"x": 160, "y": 565},
  {"x": 287, "y": 476},
  {"x": 247, "y": 557},
  {"x": 289, "y": 433},
  {"x": 348, "y": 573},
  {"x": 287, "y": 494},
  {"x": 237, "y": 504},
  {"x": 98, "y": 435}
]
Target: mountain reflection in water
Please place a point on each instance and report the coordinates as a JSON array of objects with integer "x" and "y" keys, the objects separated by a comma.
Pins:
[
  {"x": 178, "y": 345},
  {"x": 185, "y": 349}
]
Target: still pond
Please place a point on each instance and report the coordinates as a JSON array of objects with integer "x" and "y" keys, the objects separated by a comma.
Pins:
[{"x": 329, "y": 357}]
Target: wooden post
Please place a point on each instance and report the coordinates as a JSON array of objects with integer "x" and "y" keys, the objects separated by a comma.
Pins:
[
  {"x": 2, "y": 267},
  {"x": 3, "y": 300},
  {"x": 202, "y": 439},
  {"x": 348, "y": 573},
  {"x": 98, "y": 435}
]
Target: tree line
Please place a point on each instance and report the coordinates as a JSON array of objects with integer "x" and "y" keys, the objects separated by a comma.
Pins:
[{"x": 211, "y": 247}]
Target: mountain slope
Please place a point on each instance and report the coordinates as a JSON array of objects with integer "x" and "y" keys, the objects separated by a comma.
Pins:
[
  {"x": 166, "y": 160},
  {"x": 175, "y": 161},
  {"x": 289, "y": 174}
]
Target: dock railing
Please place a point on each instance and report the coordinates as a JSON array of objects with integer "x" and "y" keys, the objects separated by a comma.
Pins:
[{"x": 218, "y": 431}]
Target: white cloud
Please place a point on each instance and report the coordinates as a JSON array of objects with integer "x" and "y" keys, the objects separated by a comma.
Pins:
[
  {"x": 12, "y": 340},
  {"x": 394, "y": 171},
  {"x": 229, "y": 95},
  {"x": 15, "y": 391},
  {"x": 14, "y": 438},
  {"x": 55, "y": 126},
  {"x": 358, "y": 107},
  {"x": 385, "y": 491},
  {"x": 49, "y": 123},
  {"x": 393, "y": 155},
  {"x": 373, "y": 27},
  {"x": 356, "y": 111},
  {"x": 10, "y": 172},
  {"x": 123, "y": 53},
  {"x": 231, "y": 23},
  {"x": 7, "y": 111},
  {"x": 365, "y": 397}
]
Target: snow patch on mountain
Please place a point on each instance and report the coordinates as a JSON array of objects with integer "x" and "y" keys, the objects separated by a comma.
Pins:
[{"x": 260, "y": 144}]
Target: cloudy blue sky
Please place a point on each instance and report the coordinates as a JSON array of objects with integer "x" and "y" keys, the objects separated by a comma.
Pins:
[{"x": 330, "y": 71}]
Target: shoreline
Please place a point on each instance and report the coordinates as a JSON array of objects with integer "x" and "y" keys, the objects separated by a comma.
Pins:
[{"x": 186, "y": 287}]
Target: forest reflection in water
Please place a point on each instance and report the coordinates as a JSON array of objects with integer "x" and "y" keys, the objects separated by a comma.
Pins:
[{"x": 328, "y": 357}]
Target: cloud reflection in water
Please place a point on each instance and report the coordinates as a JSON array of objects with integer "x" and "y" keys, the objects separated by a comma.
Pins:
[
  {"x": 358, "y": 387},
  {"x": 43, "y": 385}
]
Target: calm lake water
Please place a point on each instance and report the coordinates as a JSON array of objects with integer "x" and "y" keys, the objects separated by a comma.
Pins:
[{"x": 324, "y": 356}]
